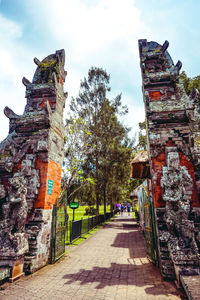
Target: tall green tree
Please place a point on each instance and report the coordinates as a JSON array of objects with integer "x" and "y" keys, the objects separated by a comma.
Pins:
[
  {"x": 94, "y": 107},
  {"x": 116, "y": 152}
]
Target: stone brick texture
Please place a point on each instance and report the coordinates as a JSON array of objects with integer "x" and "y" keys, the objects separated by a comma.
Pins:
[{"x": 31, "y": 157}]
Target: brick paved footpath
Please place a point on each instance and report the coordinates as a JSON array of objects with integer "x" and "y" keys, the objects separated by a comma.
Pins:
[{"x": 110, "y": 265}]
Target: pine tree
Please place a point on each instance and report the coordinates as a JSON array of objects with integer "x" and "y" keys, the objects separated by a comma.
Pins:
[{"x": 107, "y": 134}]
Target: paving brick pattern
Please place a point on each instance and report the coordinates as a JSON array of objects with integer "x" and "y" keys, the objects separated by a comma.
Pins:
[
  {"x": 111, "y": 265},
  {"x": 191, "y": 285}
]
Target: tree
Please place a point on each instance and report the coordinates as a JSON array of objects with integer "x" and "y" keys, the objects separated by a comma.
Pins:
[
  {"x": 190, "y": 83},
  {"x": 142, "y": 137},
  {"x": 77, "y": 146},
  {"x": 99, "y": 113},
  {"x": 115, "y": 155}
]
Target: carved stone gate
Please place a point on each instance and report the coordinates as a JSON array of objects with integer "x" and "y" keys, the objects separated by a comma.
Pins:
[
  {"x": 173, "y": 126},
  {"x": 31, "y": 160}
]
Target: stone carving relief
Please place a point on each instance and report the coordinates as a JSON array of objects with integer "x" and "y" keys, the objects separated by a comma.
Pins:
[
  {"x": 13, "y": 218},
  {"x": 177, "y": 186}
]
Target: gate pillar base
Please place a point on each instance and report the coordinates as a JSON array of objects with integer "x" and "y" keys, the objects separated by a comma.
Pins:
[
  {"x": 15, "y": 264},
  {"x": 39, "y": 230},
  {"x": 17, "y": 271}
]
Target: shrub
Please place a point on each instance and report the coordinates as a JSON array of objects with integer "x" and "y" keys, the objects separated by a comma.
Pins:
[{"x": 90, "y": 211}]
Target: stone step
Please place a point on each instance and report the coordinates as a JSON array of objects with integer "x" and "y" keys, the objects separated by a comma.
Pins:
[{"x": 28, "y": 258}]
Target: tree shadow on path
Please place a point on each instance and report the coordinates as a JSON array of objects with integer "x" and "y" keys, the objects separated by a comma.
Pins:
[
  {"x": 134, "y": 271},
  {"x": 143, "y": 275}
]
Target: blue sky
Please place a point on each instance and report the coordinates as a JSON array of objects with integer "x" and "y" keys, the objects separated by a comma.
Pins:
[{"x": 101, "y": 33}]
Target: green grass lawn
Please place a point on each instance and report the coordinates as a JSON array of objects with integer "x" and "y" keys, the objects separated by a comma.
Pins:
[{"x": 79, "y": 212}]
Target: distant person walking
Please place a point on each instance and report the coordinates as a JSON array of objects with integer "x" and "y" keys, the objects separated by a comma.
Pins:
[
  {"x": 119, "y": 207},
  {"x": 129, "y": 209},
  {"x": 122, "y": 209}
]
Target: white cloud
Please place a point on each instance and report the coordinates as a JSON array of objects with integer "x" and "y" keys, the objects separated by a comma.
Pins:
[
  {"x": 14, "y": 64},
  {"x": 101, "y": 33},
  {"x": 9, "y": 33},
  {"x": 105, "y": 31},
  {"x": 9, "y": 29},
  {"x": 94, "y": 26}
]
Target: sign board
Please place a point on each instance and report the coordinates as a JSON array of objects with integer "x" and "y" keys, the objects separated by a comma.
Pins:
[
  {"x": 49, "y": 186},
  {"x": 74, "y": 205}
]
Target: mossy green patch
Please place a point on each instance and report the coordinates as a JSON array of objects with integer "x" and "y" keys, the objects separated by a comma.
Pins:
[{"x": 46, "y": 70}]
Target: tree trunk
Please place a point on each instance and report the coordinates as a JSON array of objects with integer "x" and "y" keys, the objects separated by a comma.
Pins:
[
  {"x": 104, "y": 200},
  {"x": 111, "y": 204},
  {"x": 97, "y": 199}
]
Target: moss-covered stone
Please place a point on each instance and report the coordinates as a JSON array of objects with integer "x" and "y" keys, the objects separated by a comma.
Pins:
[{"x": 46, "y": 70}]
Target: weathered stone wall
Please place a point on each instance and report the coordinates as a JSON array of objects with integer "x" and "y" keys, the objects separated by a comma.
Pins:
[
  {"x": 30, "y": 167},
  {"x": 173, "y": 140}
]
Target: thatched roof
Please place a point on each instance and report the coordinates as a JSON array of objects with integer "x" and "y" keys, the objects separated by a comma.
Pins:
[
  {"x": 140, "y": 157},
  {"x": 140, "y": 165}
]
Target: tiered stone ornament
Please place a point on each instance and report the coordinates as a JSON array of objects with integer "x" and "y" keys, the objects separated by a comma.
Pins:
[
  {"x": 31, "y": 157},
  {"x": 172, "y": 125}
]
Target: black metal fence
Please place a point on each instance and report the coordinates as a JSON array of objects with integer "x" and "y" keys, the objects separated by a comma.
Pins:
[
  {"x": 83, "y": 226},
  {"x": 64, "y": 232},
  {"x": 58, "y": 233}
]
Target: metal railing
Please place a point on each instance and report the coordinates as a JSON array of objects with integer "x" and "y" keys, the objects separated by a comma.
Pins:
[{"x": 83, "y": 226}]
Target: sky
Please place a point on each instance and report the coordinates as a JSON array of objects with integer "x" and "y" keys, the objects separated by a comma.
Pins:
[{"x": 99, "y": 33}]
